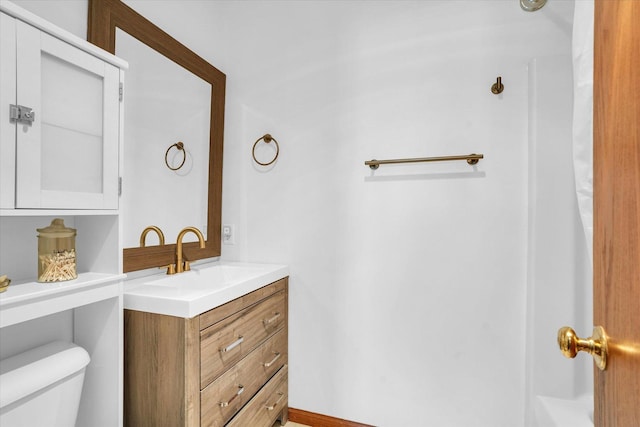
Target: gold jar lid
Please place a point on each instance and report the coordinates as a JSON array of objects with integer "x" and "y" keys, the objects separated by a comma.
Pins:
[
  {"x": 57, "y": 229},
  {"x": 4, "y": 283}
]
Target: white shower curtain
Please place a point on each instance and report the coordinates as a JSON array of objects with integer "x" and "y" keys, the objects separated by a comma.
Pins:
[{"x": 583, "y": 114}]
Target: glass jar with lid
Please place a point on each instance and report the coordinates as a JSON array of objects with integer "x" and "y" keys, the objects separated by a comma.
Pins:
[{"x": 56, "y": 252}]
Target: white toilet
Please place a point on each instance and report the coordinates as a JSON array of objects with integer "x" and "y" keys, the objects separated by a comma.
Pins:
[{"x": 42, "y": 386}]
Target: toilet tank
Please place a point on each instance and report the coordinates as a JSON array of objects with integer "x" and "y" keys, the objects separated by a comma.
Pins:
[{"x": 42, "y": 386}]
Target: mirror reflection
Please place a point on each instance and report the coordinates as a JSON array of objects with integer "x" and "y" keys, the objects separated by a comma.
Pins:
[
  {"x": 171, "y": 95},
  {"x": 165, "y": 104}
]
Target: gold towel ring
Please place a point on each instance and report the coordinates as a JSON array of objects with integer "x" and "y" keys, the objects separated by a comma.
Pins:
[
  {"x": 267, "y": 138},
  {"x": 180, "y": 146}
]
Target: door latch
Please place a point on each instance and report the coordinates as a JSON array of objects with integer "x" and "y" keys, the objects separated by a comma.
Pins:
[{"x": 21, "y": 114}]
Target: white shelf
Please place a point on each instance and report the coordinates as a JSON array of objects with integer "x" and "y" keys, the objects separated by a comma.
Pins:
[{"x": 28, "y": 300}]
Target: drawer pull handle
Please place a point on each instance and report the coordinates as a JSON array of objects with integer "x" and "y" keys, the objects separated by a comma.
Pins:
[
  {"x": 238, "y": 393},
  {"x": 268, "y": 364},
  {"x": 272, "y": 407},
  {"x": 273, "y": 319},
  {"x": 232, "y": 345}
]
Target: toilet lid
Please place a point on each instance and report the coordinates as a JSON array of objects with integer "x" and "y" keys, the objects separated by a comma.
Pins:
[{"x": 35, "y": 369}]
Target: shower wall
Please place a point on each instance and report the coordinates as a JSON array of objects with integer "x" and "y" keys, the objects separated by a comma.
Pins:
[
  {"x": 408, "y": 285},
  {"x": 559, "y": 281}
]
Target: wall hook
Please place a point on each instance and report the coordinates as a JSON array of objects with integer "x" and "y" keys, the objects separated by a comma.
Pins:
[{"x": 497, "y": 87}]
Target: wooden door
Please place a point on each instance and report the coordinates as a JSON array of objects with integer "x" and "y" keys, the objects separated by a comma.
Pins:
[{"x": 617, "y": 208}]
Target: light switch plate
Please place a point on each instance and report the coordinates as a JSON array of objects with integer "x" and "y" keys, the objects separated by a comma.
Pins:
[{"x": 228, "y": 234}]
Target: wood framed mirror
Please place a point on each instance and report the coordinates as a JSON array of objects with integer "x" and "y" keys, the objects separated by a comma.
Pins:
[{"x": 108, "y": 18}]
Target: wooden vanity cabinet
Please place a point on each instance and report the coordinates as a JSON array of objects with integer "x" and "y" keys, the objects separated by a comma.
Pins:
[{"x": 227, "y": 366}]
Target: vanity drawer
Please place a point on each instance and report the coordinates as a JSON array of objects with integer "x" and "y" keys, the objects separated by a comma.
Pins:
[
  {"x": 219, "y": 313},
  {"x": 267, "y": 405},
  {"x": 223, "y": 344},
  {"x": 226, "y": 395}
]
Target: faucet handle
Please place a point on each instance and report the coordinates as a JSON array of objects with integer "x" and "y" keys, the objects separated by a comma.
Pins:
[
  {"x": 171, "y": 268},
  {"x": 187, "y": 266}
]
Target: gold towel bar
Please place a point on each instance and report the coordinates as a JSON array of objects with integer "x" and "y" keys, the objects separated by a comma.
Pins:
[{"x": 472, "y": 159}]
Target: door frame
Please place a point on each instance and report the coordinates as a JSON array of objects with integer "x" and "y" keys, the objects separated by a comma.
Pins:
[{"x": 616, "y": 286}]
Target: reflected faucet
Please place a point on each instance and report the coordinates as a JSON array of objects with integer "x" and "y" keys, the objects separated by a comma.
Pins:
[
  {"x": 143, "y": 236},
  {"x": 183, "y": 265}
]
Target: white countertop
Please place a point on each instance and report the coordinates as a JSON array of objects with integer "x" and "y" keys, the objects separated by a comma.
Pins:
[{"x": 194, "y": 292}]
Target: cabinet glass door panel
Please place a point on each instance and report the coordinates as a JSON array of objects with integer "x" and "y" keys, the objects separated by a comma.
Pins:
[
  {"x": 71, "y": 128},
  {"x": 68, "y": 157}
]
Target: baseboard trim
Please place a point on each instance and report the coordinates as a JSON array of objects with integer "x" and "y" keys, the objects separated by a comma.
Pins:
[{"x": 319, "y": 420}]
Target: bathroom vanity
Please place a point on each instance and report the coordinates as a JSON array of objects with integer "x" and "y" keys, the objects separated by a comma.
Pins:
[{"x": 207, "y": 347}]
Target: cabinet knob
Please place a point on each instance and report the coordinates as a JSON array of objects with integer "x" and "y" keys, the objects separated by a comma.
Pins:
[{"x": 596, "y": 345}]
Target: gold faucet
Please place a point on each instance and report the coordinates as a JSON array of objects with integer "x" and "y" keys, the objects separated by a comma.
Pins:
[
  {"x": 183, "y": 265},
  {"x": 143, "y": 236}
]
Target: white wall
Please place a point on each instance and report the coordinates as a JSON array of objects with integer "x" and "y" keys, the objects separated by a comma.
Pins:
[{"x": 408, "y": 285}]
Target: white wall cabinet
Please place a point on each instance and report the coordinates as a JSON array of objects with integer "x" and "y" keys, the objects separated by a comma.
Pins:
[
  {"x": 65, "y": 164},
  {"x": 66, "y": 154}
]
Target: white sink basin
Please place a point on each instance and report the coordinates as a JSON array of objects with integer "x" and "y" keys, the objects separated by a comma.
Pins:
[{"x": 194, "y": 292}]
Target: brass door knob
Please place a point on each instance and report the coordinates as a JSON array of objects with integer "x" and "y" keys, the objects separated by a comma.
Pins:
[{"x": 596, "y": 345}]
